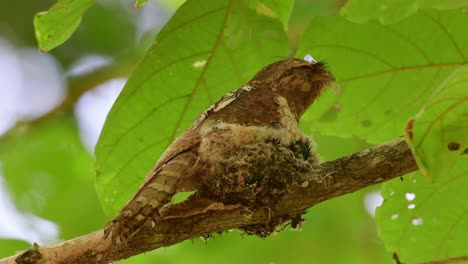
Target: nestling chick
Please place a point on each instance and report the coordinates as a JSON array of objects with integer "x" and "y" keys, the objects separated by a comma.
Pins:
[{"x": 238, "y": 148}]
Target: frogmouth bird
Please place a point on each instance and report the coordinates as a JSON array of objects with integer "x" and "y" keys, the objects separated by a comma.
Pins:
[{"x": 238, "y": 148}]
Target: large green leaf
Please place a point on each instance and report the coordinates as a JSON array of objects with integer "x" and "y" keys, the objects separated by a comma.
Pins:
[
  {"x": 207, "y": 49},
  {"x": 274, "y": 8},
  {"x": 438, "y": 134},
  {"x": 422, "y": 220},
  {"x": 57, "y": 24},
  {"x": 391, "y": 11},
  {"x": 384, "y": 73}
]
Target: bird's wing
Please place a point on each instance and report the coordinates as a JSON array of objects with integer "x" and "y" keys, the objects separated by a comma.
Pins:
[
  {"x": 161, "y": 184},
  {"x": 171, "y": 174}
]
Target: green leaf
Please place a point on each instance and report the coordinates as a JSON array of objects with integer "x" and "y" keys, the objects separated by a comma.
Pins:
[
  {"x": 424, "y": 221},
  {"x": 140, "y": 3},
  {"x": 434, "y": 225},
  {"x": 438, "y": 134},
  {"x": 384, "y": 73},
  {"x": 274, "y": 8},
  {"x": 391, "y": 11},
  {"x": 171, "y": 5},
  {"x": 57, "y": 24},
  {"x": 8, "y": 247},
  {"x": 207, "y": 49}
]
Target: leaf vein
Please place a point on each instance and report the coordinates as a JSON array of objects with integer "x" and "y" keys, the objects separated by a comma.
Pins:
[
  {"x": 202, "y": 75},
  {"x": 439, "y": 117},
  {"x": 406, "y": 68},
  {"x": 447, "y": 33}
]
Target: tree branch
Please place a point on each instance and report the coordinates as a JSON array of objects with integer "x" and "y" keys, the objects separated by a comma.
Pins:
[{"x": 347, "y": 174}]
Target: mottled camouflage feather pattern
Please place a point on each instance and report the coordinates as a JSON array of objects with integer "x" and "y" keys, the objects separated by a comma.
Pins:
[{"x": 266, "y": 109}]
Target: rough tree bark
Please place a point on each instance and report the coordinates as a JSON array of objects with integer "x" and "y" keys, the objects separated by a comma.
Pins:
[{"x": 193, "y": 218}]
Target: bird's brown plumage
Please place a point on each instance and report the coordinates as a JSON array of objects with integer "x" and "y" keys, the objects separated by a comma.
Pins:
[{"x": 266, "y": 109}]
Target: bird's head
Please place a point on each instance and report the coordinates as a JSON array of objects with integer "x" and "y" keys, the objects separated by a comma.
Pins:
[{"x": 299, "y": 81}]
